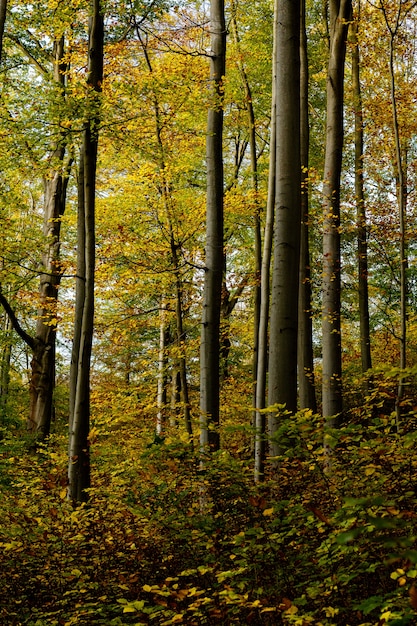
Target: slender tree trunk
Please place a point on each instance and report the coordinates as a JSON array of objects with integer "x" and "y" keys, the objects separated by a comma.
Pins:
[
  {"x": 79, "y": 447},
  {"x": 307, "y": 391},
  {"x": 166, "y": 194},
  {"x": 340, "y": 11},
  {"x": 42, "y": 382},
  {"x": 214, "y": 264},
  {"x": 257, "y": 213},
  {"x": 260, "y": 420},
  {"x": 180, "y": 334},
  {"x": 3, "y": 11},
  {"x": 364, "y": 328},
  {"x": 79, "y": 290},
  {"x": 5, "y": 369},
  {"x": 162, "y": 371},
  {"x": 285, "y": 278},
  {"x": 402, "y": 213},
  {"x": 400, "y": 15}
]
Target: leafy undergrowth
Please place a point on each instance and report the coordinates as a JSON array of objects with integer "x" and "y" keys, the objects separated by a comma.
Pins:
[{"x": 327, "y": 539}]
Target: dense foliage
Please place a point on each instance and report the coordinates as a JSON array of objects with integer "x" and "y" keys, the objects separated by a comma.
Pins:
[
  {"x": 169, "y": 536},
  {"x": 327, "y": 539}
]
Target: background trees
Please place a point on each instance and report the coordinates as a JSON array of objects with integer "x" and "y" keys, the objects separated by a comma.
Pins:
[{"x": 182, "y": 314}]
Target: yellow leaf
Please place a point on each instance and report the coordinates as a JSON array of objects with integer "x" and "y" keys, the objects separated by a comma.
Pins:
[
  {"x": 177, "y": 618},
  {"x": 63, "y": 493},
  {"x": 268, "y": 512}
]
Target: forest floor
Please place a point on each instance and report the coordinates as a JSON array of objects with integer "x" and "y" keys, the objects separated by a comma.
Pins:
[{"x": 323, "y": 540}]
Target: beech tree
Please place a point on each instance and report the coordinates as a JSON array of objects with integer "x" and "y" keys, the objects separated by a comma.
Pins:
[
  {"x": 339, "y": 14},
  {"x": 362, "y": 236},
  {"x": 214, "y": 259},
  {"x": 79, "y": 453},
  {"x": 42, "y": 343},
  {"x": 307, "y": 390},
  {"x": 285, "y": 277}
]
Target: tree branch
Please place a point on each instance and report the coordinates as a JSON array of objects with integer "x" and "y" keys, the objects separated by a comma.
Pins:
[{"x": 28, "y": 339}]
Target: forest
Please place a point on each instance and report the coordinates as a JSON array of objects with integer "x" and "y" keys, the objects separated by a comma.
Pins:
[{"x": 208, "y": 312}]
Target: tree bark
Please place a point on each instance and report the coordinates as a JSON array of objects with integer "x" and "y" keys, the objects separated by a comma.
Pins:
[
  {"x": 5, "y": 369},
  {"x": 161, "y": 399},
  {"x": 79, "y": 290},
  {"x": 214, "y": 263},
  {"x": 261, "y": 375},
  {"x": 42, "y": 384},
  {"x": 79, "y": 447},
  {"x": 42, "y": 378},
  {"x": 364, "y": 327},
  {"x": 257, "y": 213},
  {"x": 340, "y": 11},
  {"x": 285, "y": 278},
  {"x": 306, "y": 384},
  {"x": 3, "y": 12}
]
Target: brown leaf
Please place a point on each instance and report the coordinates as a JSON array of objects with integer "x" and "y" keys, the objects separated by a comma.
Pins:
[{"x": 413, "y": 596}]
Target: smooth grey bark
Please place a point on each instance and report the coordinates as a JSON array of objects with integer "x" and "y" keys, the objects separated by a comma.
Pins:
[
  {"x": 362, "y": 230},
  {"x": 282, "y": 386},
  {"x": 79, "y": 446},
  {"x": 261, "y": 375},
  {"x": 214, "y": 261},
  {"x": 79, "y": 289},
  {"x": 339, "y": 13},
  {"x": 307, "y": 392}
]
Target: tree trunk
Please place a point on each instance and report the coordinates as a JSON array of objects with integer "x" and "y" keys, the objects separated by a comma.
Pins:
[
  {"x": 364, "y": 329},
  {"x": 3, "y": 12},
  {"x": 307, "y": 391},
  {"x": 260, "y": 420},
  {"x": 340, "y": 11},
  {"x": 42, "y": 380},
  {"x": 402, "y": 216},
  {"x": 257, "y": 213},
  {"x": 214, "y": 264},
  {"x": 79, "y": 290},
  {"x": 166, "y": 194},
  {"x": 162, "y": 371},
  {"x": 5, "y": 369},
  {"x": 79, "y": 447},
  {"x": 285, "y": 278}
]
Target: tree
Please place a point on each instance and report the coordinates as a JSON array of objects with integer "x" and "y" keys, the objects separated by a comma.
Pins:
[
  {"x": 393, "y": 25},
  {"x": 214, "y": 261},
  {"x": 3, "y": 11},
  {"x": 285, "y": 277},
  {"x": 56, "y": 174},
  {"x": 339, "y": 15},
  {"x": 307, "y": 391},
  {"x": 79, "y": 453},
  {"x": 262, "y": 361},
  {"x": 362, "y": 237}
]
